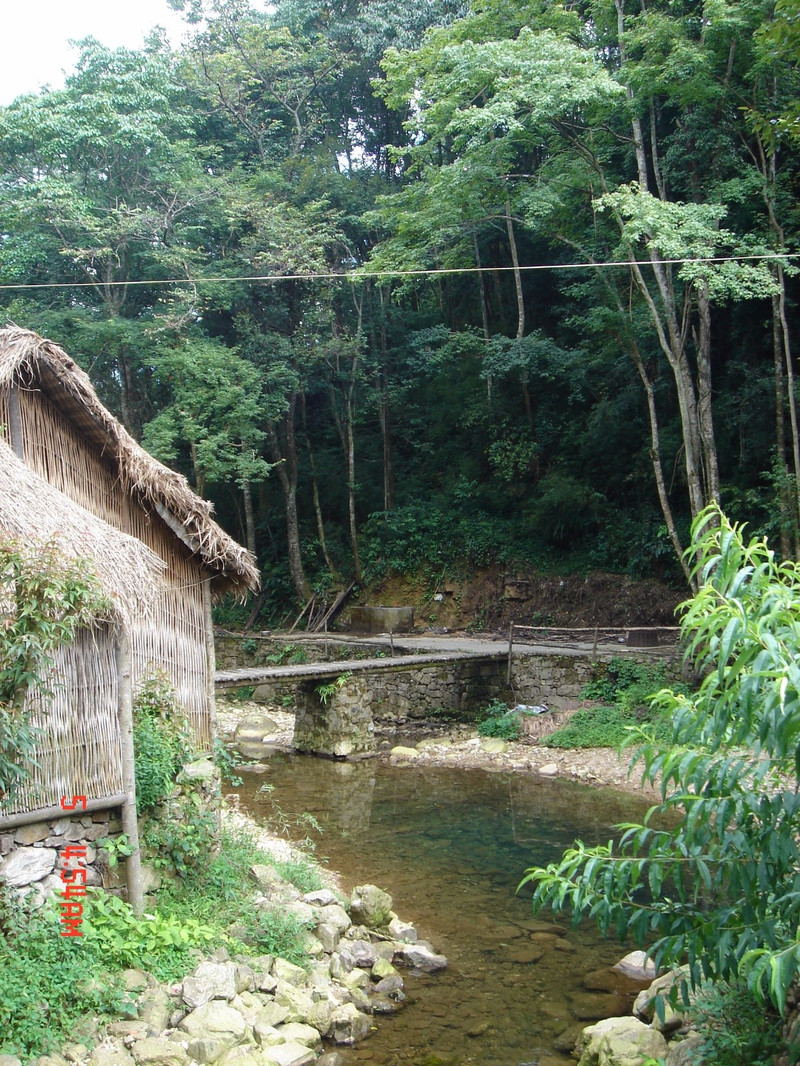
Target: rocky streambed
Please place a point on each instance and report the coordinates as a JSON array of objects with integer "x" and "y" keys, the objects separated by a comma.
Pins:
[{"x": 265, "y": 1010}]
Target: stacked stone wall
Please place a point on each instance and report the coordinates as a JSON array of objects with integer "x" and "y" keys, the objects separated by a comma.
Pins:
[{"x": 32, "y": 855}]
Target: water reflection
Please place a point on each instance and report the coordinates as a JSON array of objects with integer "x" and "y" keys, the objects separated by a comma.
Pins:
[{"x": 451, "y": 847}]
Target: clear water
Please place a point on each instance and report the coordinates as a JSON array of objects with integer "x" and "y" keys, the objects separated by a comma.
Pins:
[{"x": 451, "y": 847}]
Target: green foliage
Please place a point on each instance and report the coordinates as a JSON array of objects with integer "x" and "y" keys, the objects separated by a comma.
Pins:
[
  {"x": 499, "y": 720},
  {"x": 621, "y": 674},
  {"x": 723, "y": 877},
  {"x": 46, "y": 598},
  {"x": 294, "y": 654},
  {"x": 219, "y": 892},
  {"x": 160, "y": 740},
  {"x": 735, "y": 1028},
  {"x": 180, "y": 833},
  {"x": 227, "y": 761},
  {"x": 305, "y": 876},
  {"x": 49, "y": 981},
  {"x": 116, "y": 848},
  {"x": 158, "y": 943},
  {"x": 326, "y": 691}
]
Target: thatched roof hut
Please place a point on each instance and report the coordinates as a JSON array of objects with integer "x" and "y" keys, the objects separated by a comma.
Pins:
[{"x": 68, "y": 467}]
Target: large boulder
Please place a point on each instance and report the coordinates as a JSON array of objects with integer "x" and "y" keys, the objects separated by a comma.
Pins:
[
  {"x": 211, "y": 980},
  {"x": 255, "y": 735},
  {"x": 419, "y": 957},
  {"x": 620, "y": 1042},
  {"x": 217, "y": 1020},
  {"x": 349, "y": 1025},
  {"x": 371, "y": 906},
  {"x": 156, "y": 1051},
  {"x": 26, "y": 865}
]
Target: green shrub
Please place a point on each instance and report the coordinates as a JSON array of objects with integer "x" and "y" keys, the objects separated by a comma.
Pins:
[
  {"x": 593, "y": 727},
  {"x": 48, "y": 981},
  {"x": 623, "y": 674},
  {"x": 710, "y": 877},
  {"x": 180, "y": 834},
  {"x": 160, "y": 740},
  {"x": 499, "y": 720},
  {"x": 735, "y": 1029}
]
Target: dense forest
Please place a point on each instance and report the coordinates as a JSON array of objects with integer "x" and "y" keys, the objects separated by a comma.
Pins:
[{"x": 495, "y": 280}]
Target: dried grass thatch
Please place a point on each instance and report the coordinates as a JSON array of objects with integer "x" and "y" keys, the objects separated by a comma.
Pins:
[
  {"x": 129, "y": 573},
  {"x": 35, "y": 364}
]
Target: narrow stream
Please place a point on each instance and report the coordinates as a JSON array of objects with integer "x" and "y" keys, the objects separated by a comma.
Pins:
[{"x": 451, "y": 847}]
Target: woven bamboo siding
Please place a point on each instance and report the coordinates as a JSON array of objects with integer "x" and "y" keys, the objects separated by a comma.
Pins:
[
  {"x": 79, "y": 750},
  {"x": 174, "y": 638}
]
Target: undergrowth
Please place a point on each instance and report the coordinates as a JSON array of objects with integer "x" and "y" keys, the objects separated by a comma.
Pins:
[{"x": 625, "y": 688}]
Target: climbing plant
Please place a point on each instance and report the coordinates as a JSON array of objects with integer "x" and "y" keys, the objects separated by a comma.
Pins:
[{"x": 45, "y": 597}]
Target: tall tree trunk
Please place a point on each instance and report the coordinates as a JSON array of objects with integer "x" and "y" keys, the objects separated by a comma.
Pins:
[
  {"x": 782, "y": 470},
  {"x": 323, "y": 543},
  {"x": 286, "y": 465},
  {"x": 704, "y": 412},
  {"x": 249, "y": 518},
  {"x": 384, "y": 407}
]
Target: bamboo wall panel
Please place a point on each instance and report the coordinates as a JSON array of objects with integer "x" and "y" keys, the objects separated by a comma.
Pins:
[
  {"x": 79, "y": 750},
  {"x": 174, "y": 639}
]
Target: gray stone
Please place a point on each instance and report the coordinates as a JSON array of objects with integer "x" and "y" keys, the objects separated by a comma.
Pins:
[
  {"x": 328, "y": 935},
  {"x": 357, "y": 953},
  {"x": 387, "y": 1004},
  {"x": 202, "y": 770},
  {"x": 336, "y": 916},
  {"x": 684, "y": 1052},
  {"x": 214, "y": 1019},
  {"x": 323, "y": 897},
  {"x": 382, "y": 968},
  {"x": 402, "y": 752},
  {"x": 9, "y": 1060},
  {"x": 493, "y": 745},
  {"x": 644, "y": 1004},
  {"x": 301, "y": 1033},
  {"x": 303, "y": 912},
  {"x": 289, "y": 1054},
  {"x": 252, "y": 733},
  {"x": 134, "y": 980},
  {"x": 270, "y": 1016},
  {"x": 349, "y": 1025},
  {"x": 297, "y": 1001},
  {"x": 387, "y": 986},
  {"x": 206, "y": 1049},
  {"x": 245, "y": 978},
  {"x": 32, "y": 834},
  {"x": 331, "y": 1058},
  {"x": 116, "y": 1055},
  {"x": 26, "y": 865},
  {"x": 370, "y": 906},
  {"x": 399, "y": 930},
  {"x": 155, "y": 1008},
  {"x": 637, "y": 966},
  {"x": 620, "y": 1042},
  {"x": 211, "y": 980},
  {"x": 266, "y": 877},
  {"x": 151, "y": 879},
  {"x": 241, "y": 1056},
  {"x": 550, "y": 769},
  {"x": 420, "y": 957},
  {"x": 289, "y": 972},
  {"x": 156, "y": 1051}
]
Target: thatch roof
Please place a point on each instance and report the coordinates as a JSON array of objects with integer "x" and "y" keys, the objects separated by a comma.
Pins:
[
  {"x": 30, "y": 361},
  {"x": 31, "y": 510}
]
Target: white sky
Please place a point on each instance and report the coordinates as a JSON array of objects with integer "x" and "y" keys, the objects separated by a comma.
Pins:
[{"x": 35, "y": 36}]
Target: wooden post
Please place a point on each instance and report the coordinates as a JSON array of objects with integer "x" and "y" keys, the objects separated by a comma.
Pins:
[
  {"x": 391, "y": 642},
  {"x": 594, "y": 648},
  {"x": 326, "y": 639},
  {"x": 510, "y": 646},
  {"x": 15, "y": 423},
  {"x": 130, "y": 825},
  {"x": 211, "y": 666}
]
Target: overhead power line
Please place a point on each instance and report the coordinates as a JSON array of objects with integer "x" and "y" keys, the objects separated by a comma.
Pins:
[{"x": 354, "y": 276}]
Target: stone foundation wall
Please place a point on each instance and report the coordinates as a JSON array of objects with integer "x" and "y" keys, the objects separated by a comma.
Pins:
[
  {"x": 33, "y": 855},
  {"x": 553, "y": 680}
]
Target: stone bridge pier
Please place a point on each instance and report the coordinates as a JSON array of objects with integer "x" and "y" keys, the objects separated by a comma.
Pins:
[{"x": 339, "y": 718}]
